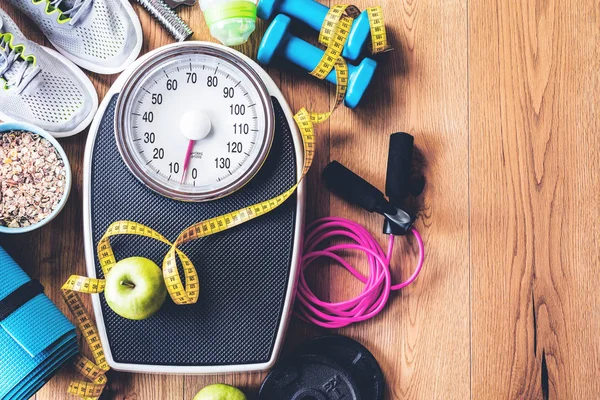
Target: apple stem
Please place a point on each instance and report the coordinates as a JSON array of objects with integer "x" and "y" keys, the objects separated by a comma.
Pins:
[{"x": 128, "y": 284}]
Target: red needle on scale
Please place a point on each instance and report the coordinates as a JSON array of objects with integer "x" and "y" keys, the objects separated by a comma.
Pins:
[{"x": 186, "y": 162}]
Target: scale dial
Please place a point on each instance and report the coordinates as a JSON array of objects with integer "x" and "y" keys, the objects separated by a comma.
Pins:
[{"x": 195, "y": 122}]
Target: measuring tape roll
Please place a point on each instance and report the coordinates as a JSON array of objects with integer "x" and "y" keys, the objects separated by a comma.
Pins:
[{"x": 333, "y": 35}]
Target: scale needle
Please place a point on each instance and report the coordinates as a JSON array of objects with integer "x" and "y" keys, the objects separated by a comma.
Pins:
[
  {"x": 194, "y": 125},
  {"x": 186, "y": 162}
]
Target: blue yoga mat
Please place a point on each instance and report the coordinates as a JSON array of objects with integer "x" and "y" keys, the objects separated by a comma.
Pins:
[{"x": 36, "y": 339}]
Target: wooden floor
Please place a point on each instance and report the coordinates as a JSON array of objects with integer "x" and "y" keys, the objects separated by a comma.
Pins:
[{"x": 503, "y": 98}]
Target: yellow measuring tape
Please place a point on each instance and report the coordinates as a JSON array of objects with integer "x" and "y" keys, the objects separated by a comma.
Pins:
[
  {"x": 333, "y": 36},
  {"x": 93, "y": 371}
]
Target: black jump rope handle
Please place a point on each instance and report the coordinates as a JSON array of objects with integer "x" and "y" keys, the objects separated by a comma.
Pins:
[
  {"x": 354, "y": 189},
  {"x": 399, "y": 182}
]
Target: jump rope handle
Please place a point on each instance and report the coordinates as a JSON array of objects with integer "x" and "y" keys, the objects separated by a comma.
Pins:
[
  {"x": 354, "y": 189},
  {"x": 399, "y": 183}
]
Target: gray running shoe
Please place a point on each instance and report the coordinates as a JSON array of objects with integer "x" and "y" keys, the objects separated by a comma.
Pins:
[
  {"x": 39, "y": 86},
  {"x": 103, "y": 36}
]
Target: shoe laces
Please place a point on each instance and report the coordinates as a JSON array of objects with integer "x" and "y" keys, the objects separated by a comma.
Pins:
[
  {"x": 74, "y": 10},
  {"x": 16, "y": 69}
]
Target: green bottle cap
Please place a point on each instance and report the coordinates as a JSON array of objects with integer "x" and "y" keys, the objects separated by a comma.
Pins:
[{"x": 231, "y": 22}]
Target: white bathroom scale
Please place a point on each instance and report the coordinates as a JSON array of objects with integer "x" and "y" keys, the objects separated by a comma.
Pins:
[{"x": 139, "y": 166}]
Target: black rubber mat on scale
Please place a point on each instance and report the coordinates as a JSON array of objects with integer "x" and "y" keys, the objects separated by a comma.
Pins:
[{"x": 243, "y": 272}]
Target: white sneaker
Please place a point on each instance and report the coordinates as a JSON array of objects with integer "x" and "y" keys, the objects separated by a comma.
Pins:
[
  {"x": 103, "y": 36},
  {"x": 39, "y": 86}
]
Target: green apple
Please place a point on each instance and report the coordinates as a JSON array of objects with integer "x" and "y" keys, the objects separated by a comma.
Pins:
[
  {"x": 220, "y": 391},
  {"x": 135, "y": 288}
]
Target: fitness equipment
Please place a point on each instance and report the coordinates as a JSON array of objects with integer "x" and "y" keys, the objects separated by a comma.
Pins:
[
  {"x": 176, "y": 3},
  {"x": 310, "y": 377},
  {"x": 399, "y": 185},
  {"x": 378, "y": 283},
  {"x": 35, "y": 338},
  {"x": 354, "y": 189},
  {"x": 277, "y": 41},
  {"x": 247, "y": 274},
  {"x": 330, "y": 367},
  {"x": 313, "y": 14},
  {"x": 230, "y": 21},
  {"x": 353, "y": 356},
  {"x": 168, "y": 18}
]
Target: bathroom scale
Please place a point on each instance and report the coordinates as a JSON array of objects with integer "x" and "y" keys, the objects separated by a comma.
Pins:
[{"x": 192, "y": 131}]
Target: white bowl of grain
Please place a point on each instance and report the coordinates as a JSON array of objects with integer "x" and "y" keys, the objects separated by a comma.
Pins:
[{"x": 35, "y": 177}]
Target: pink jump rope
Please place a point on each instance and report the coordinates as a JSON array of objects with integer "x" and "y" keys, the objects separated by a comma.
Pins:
[{"x": 378, "y": 284}]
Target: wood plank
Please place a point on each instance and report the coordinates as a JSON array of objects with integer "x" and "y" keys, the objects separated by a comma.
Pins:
[
  {"x": 422, "y": 337},
  {"x": 535, "y": 186}
]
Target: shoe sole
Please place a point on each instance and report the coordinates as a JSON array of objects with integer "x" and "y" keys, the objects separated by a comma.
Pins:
[
  {"x": 111, "y": 70},
  {"x": 86, "y": 83}
]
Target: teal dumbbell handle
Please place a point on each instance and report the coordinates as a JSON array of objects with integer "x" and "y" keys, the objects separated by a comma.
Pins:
[
  {"x": 278, "y": 41},
  {"x": 313, "y": 14},
  {"x": 310, "y": 12}
]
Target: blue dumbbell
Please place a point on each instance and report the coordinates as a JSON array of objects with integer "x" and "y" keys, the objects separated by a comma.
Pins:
[
  {"x": 313, "y": 14},
  {"x": 278, "y": 41}
]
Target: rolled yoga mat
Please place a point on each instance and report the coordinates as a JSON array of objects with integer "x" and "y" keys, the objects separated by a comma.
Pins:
[{"x": 36, "y": 339}]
